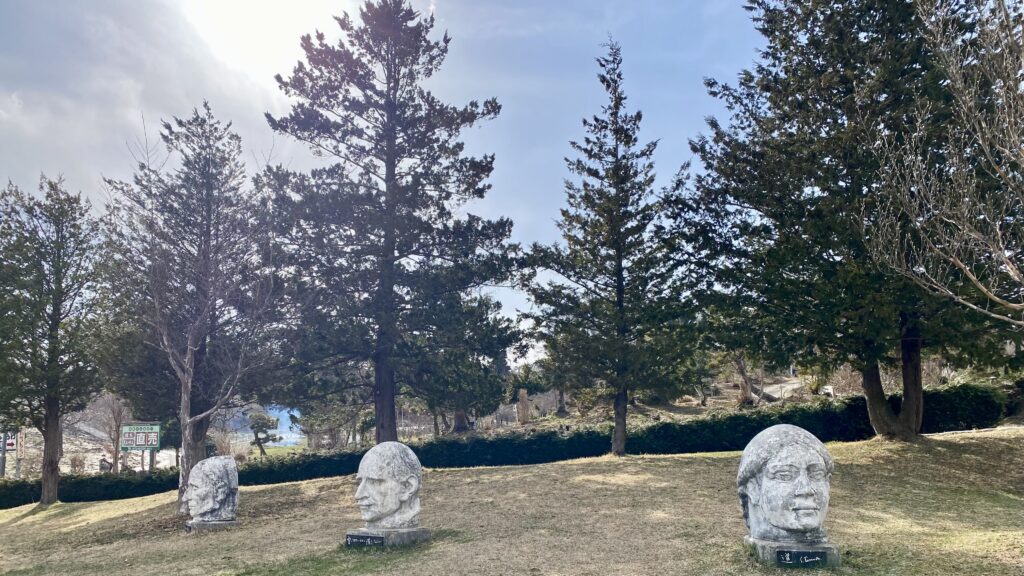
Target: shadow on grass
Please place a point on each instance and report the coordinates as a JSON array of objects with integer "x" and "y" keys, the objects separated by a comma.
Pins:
[
  {"x": 939, "y": 502},
  {"x": 54, "y": 511},
  {"x": 345, "y": 561}
]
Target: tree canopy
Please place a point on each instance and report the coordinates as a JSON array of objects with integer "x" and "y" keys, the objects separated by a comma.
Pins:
[
  {"x": 777, "y": 219},
  {"x": 50, "y": 251},
  {"x": 381, "y": 234},
  {"x": 615, "y": 279}
]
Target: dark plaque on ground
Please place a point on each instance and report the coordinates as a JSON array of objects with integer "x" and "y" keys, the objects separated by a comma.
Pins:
[
  {"x": 800, "y": 558},
  {"x": 360, "y": 540}
]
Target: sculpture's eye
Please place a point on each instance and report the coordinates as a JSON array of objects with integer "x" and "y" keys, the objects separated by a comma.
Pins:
[
  {"x": 816, "y": 473},
  {"x": 784, "y": 474}
]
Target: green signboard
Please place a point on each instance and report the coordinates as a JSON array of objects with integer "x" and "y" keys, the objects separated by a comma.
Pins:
[{"x": 140, "y": 436}]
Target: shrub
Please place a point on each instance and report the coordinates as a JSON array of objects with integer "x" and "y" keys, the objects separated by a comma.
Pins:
[
  {"x": 963, "y": 407},
  {"x": 959, "y": 407},
  {"x": 18, "y": 492},
  {"x": 90, "y": 487},
  {"x": 295, "y": 467}
]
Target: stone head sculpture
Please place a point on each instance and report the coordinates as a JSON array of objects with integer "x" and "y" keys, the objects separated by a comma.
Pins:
[
  {"x": 783, "y": 485},
  {"x": 389, "y": 486},
  {"x": 212, "y": 493}
]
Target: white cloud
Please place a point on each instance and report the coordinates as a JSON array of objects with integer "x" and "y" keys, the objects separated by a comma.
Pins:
[{"x": 74, "y": 106}]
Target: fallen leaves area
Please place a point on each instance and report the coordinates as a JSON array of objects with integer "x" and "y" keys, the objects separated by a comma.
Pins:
[{"x": 950, "y": 504}]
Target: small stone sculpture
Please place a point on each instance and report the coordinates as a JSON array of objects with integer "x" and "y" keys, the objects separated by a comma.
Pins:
[
  {"x": 783, "y": 485},
  {"x": 212, "y": 494},
  {"x": 388, "y": 497}
]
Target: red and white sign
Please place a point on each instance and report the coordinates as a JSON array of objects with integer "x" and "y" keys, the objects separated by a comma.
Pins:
[{"x": 11, "y": 440}]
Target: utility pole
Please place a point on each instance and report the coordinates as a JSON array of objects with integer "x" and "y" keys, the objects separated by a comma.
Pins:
[{"x": 19, "y": 450}]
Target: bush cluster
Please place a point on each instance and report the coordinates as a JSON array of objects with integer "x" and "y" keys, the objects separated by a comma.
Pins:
[
  {"x": 90, "y": 487},
  {"x": 962, "y": 407}
]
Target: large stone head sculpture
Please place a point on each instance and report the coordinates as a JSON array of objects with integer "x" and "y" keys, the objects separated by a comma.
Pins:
[
  {"x": 389, "y": 486},
  {"x": 212, "y": 493},
  {"x": 783, "y": 485}
]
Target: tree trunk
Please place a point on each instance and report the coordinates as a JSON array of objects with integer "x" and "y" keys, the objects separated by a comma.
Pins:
[
  {"x": 912, "y": 409},
  {"x": 701, "y": 396},
  {"x": 461, "y": 422},
  {"x": 437, "y": 429},
  {"x": 53, "y": 440},
  {"x": 561, "y": 404},
  {"x": 193, "y": 449},
  {"x": 619, "y": 433},
  {"x": 259, "y": 444},
  {"x": 879, "y": 412},
  {"x": 523, "y": 407},
  {"x": 883, "y": 419},
  {"x": 198, "y": 444},
  {"x": 746, "y": 387},
  {"x": 186, "y": 460},
  {"x": 384, "y": 372},
  {"x": 384, "y": 399}
]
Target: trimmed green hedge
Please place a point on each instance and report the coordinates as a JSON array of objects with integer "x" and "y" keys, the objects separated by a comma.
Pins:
[
  {"x": 90, "y": 487},
  {"x": 962, "y": 407},
  {"x": 297, "y": 467}
]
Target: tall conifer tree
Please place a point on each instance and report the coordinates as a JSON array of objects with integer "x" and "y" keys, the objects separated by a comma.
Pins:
[
  {"x": 378, "y": 233},
  {"x": 779, "y": 215},
  {"x": 615, "y": 287},
  {"x": 50, "y": 250}
]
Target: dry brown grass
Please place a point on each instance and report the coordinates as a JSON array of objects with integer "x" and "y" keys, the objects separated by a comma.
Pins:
[{"x": 951, "y": 505}]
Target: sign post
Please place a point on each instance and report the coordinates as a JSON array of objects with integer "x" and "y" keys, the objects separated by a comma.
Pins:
[
  {"x": 3, "y": 453},
  {"x": 140, "y": 436}
]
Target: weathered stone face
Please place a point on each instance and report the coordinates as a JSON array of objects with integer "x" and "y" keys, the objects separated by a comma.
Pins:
[
  {"x": 212, "y": 493},
  {"x": 389, "y": 485},
  {"x": 783, "y": 484}
]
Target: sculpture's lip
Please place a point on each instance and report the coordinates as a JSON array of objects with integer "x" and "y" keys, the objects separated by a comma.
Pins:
[{"x": 805, "y": 508}]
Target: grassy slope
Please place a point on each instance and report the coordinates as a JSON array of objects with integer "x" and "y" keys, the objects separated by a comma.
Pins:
[{"x": 953, "y": 504}]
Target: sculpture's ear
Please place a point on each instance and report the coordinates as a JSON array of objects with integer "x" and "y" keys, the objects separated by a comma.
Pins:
[
  {"x": 753, "y": 490},
  {"x": 410, "y": 486}
]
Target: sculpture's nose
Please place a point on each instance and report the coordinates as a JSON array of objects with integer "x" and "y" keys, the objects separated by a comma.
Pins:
[
  {"x": 361, "y": 490},
  {"x": 803, "y": 486}
]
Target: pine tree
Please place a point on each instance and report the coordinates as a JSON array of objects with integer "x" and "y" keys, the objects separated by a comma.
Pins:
[
  {"x": 379, "y": 230},
  {"x": 50, "y": 249},
  {"x": 615, "y": 287},
  {"x": 779, "y": 217},
  {"x": 263, "y": 426}
]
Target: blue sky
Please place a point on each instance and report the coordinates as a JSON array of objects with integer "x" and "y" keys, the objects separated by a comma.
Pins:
[{"x": 78, "y": 78}]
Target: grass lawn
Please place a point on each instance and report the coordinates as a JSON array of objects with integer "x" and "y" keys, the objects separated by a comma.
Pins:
[
  {"x": 952, "y": 504},
  {"x": 276, "y": 451}
]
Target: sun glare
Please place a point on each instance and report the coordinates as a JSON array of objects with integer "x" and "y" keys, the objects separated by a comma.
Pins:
[{"x": 261, "y": 37}]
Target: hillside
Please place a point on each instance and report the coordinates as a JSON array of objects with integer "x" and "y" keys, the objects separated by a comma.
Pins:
[{"x": 953, "y": 504}]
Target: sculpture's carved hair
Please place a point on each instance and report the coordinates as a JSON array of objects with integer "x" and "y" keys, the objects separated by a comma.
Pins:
[{"x": 390, "y": 460}]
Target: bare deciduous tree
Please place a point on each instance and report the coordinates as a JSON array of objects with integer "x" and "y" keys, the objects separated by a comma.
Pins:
[
  {"x": 192, "y": 236},
  {"x": 953, "y": 218},
  {"x": 108, "y": 413}
]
